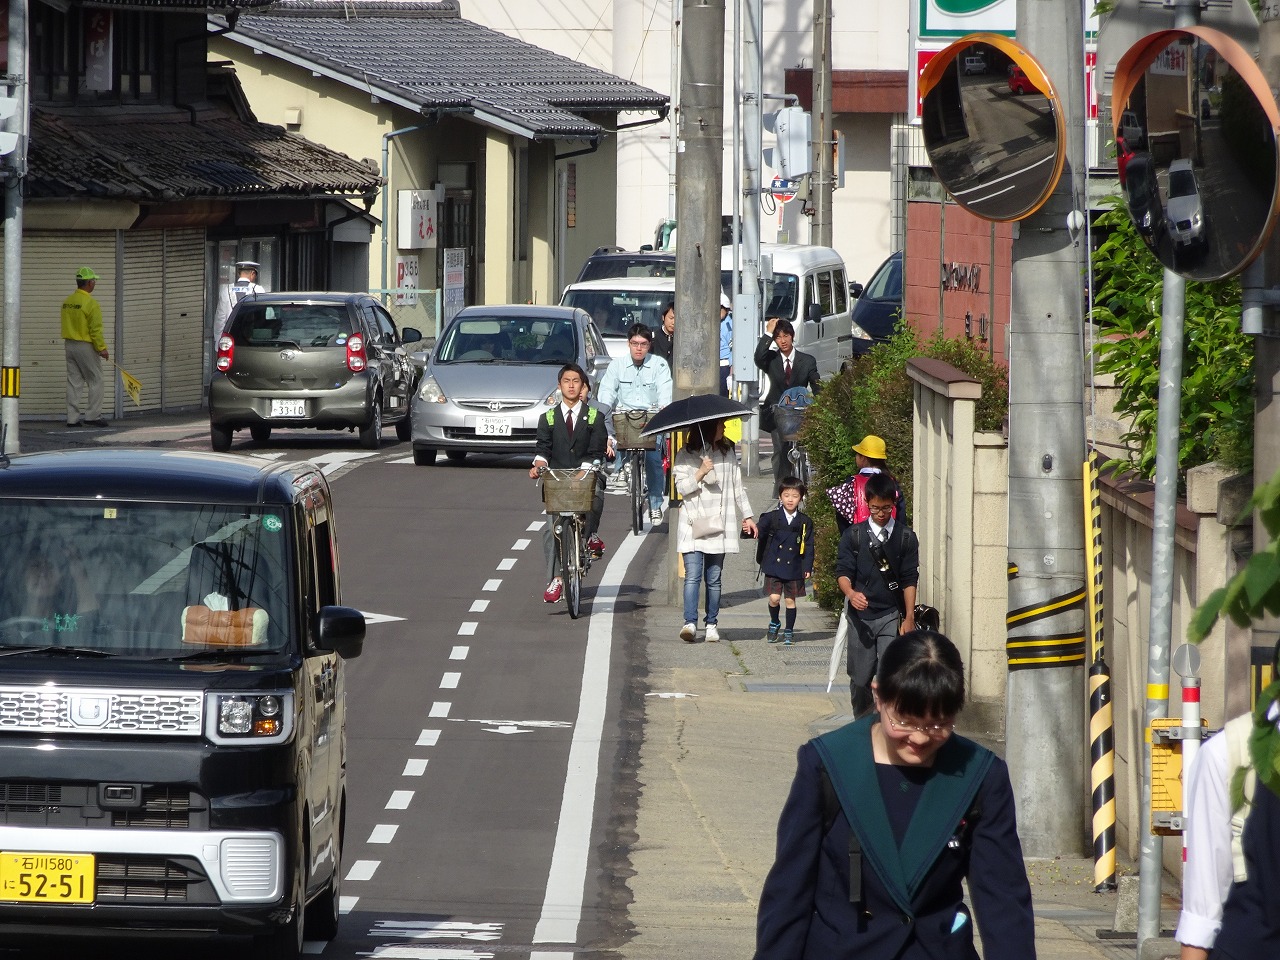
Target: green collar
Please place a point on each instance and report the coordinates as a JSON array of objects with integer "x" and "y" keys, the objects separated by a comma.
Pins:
[{"x": 959, "y": 768}]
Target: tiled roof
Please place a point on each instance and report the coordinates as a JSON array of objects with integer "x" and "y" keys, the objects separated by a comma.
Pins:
[
  {"x": 160, "y": 154},
  {"x": 424, "y": 53}
]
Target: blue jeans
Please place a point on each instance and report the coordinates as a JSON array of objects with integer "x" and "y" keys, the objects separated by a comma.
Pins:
[
  {"x": 655, "y": 476},
  {"x": 693, "y": 569}
]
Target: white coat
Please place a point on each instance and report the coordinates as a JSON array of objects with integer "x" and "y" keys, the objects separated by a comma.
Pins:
[{"x": 720, "y": 492}]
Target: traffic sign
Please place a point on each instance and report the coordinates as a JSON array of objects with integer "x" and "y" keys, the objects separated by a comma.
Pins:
[{"x": 783, "y": 190}]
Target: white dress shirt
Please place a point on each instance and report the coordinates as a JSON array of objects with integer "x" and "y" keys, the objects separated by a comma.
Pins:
[{"x": 1207, "y": 874}]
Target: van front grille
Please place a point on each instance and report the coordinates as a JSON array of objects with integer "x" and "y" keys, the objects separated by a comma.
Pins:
[
  {"x": 162, "y": 808},
  {"x": 125, "y": 879}
]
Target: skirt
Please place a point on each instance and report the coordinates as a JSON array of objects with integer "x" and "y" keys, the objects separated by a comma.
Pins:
[{"x": 788, "y": 588}]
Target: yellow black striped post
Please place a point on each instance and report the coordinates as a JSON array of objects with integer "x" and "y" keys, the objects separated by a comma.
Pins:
[
  {"x": 1102, "y": 752},
  {"x": 10, "y": 381}
]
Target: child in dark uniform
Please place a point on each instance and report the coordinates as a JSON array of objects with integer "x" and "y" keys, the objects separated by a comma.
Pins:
[{"x": 785, "y": 555}]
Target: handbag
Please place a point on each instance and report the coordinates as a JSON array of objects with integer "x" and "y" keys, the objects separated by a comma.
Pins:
[{"x": 705, "y": 527}]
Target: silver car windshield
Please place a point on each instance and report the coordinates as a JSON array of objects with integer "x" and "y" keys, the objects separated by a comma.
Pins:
[
  {"x": 143, "y": 579},
  {"x": 508, "y": 340}
]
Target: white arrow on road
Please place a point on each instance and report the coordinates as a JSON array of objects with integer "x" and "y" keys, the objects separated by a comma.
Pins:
[
  {"x": 673, "y": 696},
  {"x": 379, "y": 617},
  {"x": 505, "y": 728},
  {"x": 432, "y": 930},
  {"x": 410, "y": 952}
]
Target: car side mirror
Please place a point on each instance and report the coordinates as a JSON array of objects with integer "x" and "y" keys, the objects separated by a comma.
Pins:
[
  {"x": 340, "y": 630},
  {"x": 855, "y": 290},
  {"x": 410, "y": 335},
  {"x": 813, "y": 313}
]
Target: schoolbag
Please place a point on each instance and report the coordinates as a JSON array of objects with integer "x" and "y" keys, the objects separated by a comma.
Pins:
[{"x": 1237, "y": 731}]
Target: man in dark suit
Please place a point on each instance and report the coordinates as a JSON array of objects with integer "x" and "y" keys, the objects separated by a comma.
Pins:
[
  {"x": 786, "y": 367},
  {"x": 571, "y": 434},
  {"x": 881, "y": 596}
]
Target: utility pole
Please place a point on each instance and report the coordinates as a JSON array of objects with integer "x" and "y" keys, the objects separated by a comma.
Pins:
[
  {"x": 699, "y": 178},
  {"x": 824, "y": 136},
  {"x": 1045, "y": 703},
  {"x": 14, "y": 170}
]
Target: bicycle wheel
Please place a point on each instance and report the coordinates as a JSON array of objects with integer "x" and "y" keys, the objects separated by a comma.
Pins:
[
  {"x": 571, "y": 565},
  {"x": 638, "y": 498}
]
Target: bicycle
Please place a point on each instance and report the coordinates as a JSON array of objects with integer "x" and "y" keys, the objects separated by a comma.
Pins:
[
  {"x": 568, "y": 495},
  {"x": 627, "y": 425},
  {"x": 788, "y": 416}
]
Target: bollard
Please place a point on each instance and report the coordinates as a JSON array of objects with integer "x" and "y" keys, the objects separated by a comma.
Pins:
[{"x": 1102, "y": 750}]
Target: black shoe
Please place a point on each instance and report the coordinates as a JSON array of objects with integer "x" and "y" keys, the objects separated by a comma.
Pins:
[
  {"x": 76, "y": 424},
  {"x": 95, "y": 423}
]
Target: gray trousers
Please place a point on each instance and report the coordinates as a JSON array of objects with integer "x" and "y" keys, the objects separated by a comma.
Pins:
[
  {"x": 867, "y": 642},
  {"x": 84, "y": 368}
]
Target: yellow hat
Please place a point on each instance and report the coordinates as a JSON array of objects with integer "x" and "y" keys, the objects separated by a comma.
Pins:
[
  {"x": 84, "y": 273},
  {"x": 871, "y": 446}
]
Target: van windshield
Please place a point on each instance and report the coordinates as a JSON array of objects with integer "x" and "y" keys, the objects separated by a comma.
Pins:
[
  {"x": 778, "y": 296},
  {"x": 291, "y": 324},
  {"x": 143, "y": 580},
  {"x": 614, "y": 311}
]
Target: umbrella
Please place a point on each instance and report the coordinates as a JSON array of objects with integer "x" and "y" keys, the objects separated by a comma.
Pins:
[
  {"x": 842, "y": 633},
  {"x": 691, "y": 411}
]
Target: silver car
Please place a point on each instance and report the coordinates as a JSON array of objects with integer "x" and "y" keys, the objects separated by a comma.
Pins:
[
  {"x": 493, "y": 375},
  {"x": 1183, "y": 209}
]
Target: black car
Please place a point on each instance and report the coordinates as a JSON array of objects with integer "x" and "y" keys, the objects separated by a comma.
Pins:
[
  {"x": 328, "y": 361},
  {"x": 172, "y": 713},
  {"x": 878, "y": 307},
  {"x": 608, "y": 262}
]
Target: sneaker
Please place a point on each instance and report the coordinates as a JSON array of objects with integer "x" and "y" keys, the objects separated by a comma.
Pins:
[
  {"x": 689, "y": 632},
  {"x": 76, "y": 424},
  {"x": 713, "y": 635},
  {"x": 596, "y": 546},
  {"x": 773, "y": 632},
  {"x": 787, "y": 639},
  {"x": 655, "y": 515},
  {"x": 96, "y": 423},
  {"x": 554, "y": 589}
]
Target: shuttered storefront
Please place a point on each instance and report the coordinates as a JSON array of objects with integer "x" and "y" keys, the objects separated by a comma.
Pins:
[{"x": 184, "y": 334}]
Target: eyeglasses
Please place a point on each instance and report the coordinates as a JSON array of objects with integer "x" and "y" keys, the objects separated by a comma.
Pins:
[
  {"x": 933, "y": 730},
  {"x": 638, "y": 343},
  {"x": 879, "y": 510}
]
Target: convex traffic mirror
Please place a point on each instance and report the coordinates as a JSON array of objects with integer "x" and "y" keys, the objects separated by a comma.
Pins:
[
  {"x": 992, "y": 126},
  {"x": 1195, "y": 129}
]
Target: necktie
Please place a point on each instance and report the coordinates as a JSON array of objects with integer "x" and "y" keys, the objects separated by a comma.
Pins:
[
  {"x": 568, "y": 421},
  {"x": 787, "y": 378},
  {"x": 884, "y": 534}
]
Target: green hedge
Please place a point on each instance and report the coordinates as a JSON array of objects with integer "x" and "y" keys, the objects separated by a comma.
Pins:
[{"x": 875, "y": 395}]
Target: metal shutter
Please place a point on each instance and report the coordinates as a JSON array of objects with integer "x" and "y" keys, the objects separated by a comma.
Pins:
[
  {"x": 184, "y": 267},
  {"x": 141, "y": 352}
]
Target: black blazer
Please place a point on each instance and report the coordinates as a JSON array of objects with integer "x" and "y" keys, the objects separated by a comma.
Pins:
[
  {"x": 1251, "y": 915},
  {"x": 562, "y": 451},
  {"x": 785, "y": 549},
  {"x": 804, "y": 373},
  {"x": 805, "y": 913}
]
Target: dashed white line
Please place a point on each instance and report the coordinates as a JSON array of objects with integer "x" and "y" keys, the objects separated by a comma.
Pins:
[
  {"x": 491, "y": 585},
  {"x": 467, "y": 628},
  {"x": 414, "y": 768},
  {"x": 521, "y": 544},
  {"x": 450, "y": 680},
  {"x": 479, "y": 606},
  {"x": 459, "y": 653},
  {"x": 428, "y": 738},
  {"x": 347, "y": 904},
  {"x": 440, "y": 708},
  {"x": 507, "y": 563},
  {"x": 363, "y": 869},
  {"x": 400, "y": 800},
  {"x": 383, "y": 833},
  {"x": 536, "y": 525}
]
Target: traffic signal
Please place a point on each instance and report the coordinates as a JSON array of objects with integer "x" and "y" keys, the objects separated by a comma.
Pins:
[{"x": 793, "y": 128}]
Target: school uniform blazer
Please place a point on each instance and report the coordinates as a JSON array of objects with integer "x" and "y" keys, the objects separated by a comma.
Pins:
[
  {"x": 781, "y": 555},
  {"x": 804, "y": 373},
  {"x": 563, "y": 451},
  {"x": 1251, "y": 915},
  {"x": 805, "y": 912}
]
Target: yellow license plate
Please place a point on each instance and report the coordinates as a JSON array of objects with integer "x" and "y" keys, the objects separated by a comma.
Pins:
[{"x": 46, "y": 877}]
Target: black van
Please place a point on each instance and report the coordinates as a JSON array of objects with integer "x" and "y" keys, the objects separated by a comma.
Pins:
[{"x": 172, "y": 720}]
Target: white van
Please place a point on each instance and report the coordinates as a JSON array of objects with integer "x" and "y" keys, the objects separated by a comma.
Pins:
[{"x": 811, "y": 289}]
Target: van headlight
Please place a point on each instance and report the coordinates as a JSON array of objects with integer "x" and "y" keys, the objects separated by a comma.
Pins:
[
  {"x": 860, "y": 334},
  {"x": 430, "y": 391},
  {"x": 257, "y": 717}
]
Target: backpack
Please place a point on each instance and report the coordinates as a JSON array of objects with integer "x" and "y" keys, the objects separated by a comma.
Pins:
[{"x": 1237, "y": 732}]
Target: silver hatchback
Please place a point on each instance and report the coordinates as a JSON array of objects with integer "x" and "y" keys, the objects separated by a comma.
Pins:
[{"x": 493, "y": 374}]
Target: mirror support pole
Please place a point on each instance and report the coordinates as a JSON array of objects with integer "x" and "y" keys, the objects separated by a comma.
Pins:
[
  {"x": 1047, "y": 742},
  {"x": 824, "y": 136}
]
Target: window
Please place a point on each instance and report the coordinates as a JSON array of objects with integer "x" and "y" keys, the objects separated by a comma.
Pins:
[
  {"x": 88, "y": 55},
  {"x": 841, "y": 290},
  {"x": 824, "y": 293}
]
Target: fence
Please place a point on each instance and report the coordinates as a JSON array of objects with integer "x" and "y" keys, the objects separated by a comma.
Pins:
[{"x": 420, "y": 308}]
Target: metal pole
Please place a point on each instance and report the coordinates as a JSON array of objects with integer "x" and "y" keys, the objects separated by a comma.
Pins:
[
  {"x": 747, "y": 319},
  {"x": 673, "y": 118},
  {"x": 386, "y": 189},
  {"x": 823, "y": 132},
  {"x": 14, "y": 170}
]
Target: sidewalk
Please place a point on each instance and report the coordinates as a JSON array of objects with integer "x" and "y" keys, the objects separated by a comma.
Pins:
[{"x": 723, "y": 722}]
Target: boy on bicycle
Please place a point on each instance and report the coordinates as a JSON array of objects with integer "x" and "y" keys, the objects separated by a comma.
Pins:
[
  {"x": 571, "y": 434},
  {"x": 640, "y": 381}
]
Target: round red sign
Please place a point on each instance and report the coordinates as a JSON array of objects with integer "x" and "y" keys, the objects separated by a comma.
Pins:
[{"x": 783, "y": 190}]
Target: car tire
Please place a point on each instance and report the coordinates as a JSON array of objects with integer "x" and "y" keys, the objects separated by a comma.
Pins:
[
  {"x": 284, "y": 942},
  {"x": 220, "y": 437},
  {"x": 457, "y": 456},
  {"x": 371, "y": 433},
  {"x": 404, "y": 428},
  {"x": 322, "y": 915},
  {"x": 424, "y": 457},
  {"x": 261, "y": 432}
]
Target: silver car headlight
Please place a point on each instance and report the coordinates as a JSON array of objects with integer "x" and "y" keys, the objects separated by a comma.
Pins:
[
  {"x": 430, "y": 391},
  {"x": 553, "y": 398}
]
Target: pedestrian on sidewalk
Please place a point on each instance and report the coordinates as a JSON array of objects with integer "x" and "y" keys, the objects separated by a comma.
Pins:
[
  {"x": 785, "y": 555},
  {"x": 83, "y": 345},
  {"x": 849, "y": 499},
  {"x": 709, "y": 480},
  {"x": 877, "y": 569},
  {"x": 786, "y": 367},
  {"x": 885, "y": 819}
]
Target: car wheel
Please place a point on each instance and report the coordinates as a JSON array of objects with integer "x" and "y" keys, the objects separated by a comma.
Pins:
[
  {"x": 220, "y": 437},
  {"x": 322, "y": 916},
  {"x": 423, "y": 457},
  {"x": 404, "y": 428},
  {"x": 371, "y": 434},
  {"x": 457, "y": 456},
  {"x": 260, "y": 432},
  {"x": 284, "y": 942}
]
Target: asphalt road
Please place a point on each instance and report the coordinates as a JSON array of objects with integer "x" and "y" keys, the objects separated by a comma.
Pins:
[{"x": 486, "y": 729}]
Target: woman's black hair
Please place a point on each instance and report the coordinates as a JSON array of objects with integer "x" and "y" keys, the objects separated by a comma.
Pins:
[
  {"x": 698, "y": 437},
  {"x": 921, "y": 675}
]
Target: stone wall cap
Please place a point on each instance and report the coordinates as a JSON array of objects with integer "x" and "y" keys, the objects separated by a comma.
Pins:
[{"x": 942, "y": 378}]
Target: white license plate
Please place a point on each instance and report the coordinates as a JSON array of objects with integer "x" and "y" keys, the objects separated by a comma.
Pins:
[
  {"x": 493, "y": 427},
  {"x": 288, "y": 408}
]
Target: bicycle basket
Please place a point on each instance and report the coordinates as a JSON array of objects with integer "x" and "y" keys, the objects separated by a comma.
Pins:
[
  {"x": 788, "y": 421},
  {"x": 627, "y": 425},
  {"x": 568, "y": 491}
]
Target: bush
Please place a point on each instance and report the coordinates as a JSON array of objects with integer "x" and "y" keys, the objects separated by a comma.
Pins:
[{"x": 875, "y": 395}]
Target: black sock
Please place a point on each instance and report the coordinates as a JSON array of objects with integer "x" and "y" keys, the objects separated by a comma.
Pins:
[
  {"x": 773, "y": 613},
  {"x": 791, "y": 618}
]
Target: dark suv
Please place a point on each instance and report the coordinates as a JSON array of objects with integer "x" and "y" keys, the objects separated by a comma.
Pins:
[
  {"x": 172, "y": 697},
  {"x": 325, "y": 360}
]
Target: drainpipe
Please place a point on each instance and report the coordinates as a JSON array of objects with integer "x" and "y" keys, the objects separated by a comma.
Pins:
[{"x": 386, "y": 188}]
